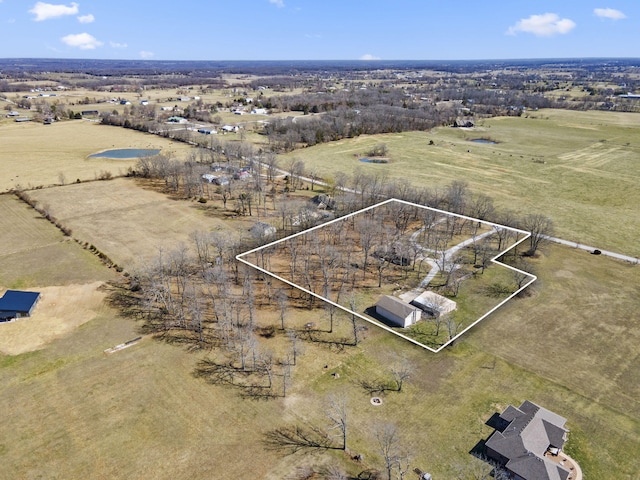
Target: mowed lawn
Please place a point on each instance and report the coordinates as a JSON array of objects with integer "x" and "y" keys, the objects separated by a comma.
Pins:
[
  {"x": 581, "y": 169},
  {"x": 72, "y": 411},
  {"x": 35, "y": 155},
  {"x": 128, "y": 223}
]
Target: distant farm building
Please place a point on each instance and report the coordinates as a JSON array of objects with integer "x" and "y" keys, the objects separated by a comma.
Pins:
[
  {"x": 13, "y": 113},
  {"x": 207, "y": 131},
  {"x": 399, "y": 313},
  {"x": 262, "y": 231},
  {"x": 22, "y": 119},
  {"x": 17, "y": 304},
  {"x": 90, "y": 113},
  {"x": 229, "y": 128},
  {"x": 524, "y": 438}
]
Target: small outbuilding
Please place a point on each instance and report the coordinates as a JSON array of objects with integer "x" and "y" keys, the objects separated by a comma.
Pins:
[
  {"x": 17, "y": 304},
  {"x": 399, "y": 313},
  {"x": 434, "y": 304}
]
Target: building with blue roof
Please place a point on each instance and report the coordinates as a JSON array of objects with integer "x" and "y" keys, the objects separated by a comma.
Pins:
[{"x": 17, "y": 304}]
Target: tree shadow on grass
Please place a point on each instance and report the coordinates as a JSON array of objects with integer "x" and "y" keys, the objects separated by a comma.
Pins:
[
  {"x": 290, "y": 439},
  {"x": 226, "y": 373}
]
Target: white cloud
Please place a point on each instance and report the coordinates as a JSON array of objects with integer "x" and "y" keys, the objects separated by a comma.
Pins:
[
  {"x": 368, "y": 56},
  {"x": 86, "y": 18},
  {"x": 118, "y": 45},
  {"x": 146, "y": 55},
  {"x": 611, "y": 13},
  {"x": 45, "y": 11},
  {"x": 277, "y": 3},
  {"x": 83, "y": 41},
  {"x": 545, "y": 25}
]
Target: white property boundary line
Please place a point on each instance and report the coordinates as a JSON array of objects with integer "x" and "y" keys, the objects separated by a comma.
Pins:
[{"x": 533, "y": 278}]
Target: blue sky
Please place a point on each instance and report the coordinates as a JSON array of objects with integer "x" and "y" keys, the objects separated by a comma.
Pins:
[{"x": 320, "y": 29}]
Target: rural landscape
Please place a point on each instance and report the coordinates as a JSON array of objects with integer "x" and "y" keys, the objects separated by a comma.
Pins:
[{"x": 216, "y": 246}]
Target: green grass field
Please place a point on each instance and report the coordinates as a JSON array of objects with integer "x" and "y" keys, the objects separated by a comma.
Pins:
[{"x": 579, "y": 168}]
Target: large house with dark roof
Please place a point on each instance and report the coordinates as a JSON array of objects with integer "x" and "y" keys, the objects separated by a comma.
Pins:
[{"x": 522, "y": 438}]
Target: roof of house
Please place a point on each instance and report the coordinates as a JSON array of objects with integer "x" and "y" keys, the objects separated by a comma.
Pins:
[
  {"x": 432, "y": 301},
  {"x": 523, "y": 437},
  {"x": 396, "y": 306},
  {"x": 18, "y": 301}
]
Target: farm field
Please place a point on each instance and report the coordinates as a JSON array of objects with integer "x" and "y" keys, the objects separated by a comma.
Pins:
[
  {"x": 129, "y": 223},
  {"x": 72, "y": 411},
  {"x": 579, "y": 168},
  {"x": 34, "y": 253},
  {"x": 36, "y": 155},
  {"x": 143, "y": 409}
]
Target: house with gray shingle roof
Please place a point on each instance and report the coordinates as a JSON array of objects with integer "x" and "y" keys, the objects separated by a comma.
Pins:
[{"x": 522, "y": 438}]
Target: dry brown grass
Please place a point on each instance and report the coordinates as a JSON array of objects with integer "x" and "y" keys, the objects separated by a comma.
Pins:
[
  {"x": 33, "y": 252},
  {"x": 35, "y": 155},
  {"x": 59, "y": 311},
  {"x": 128, "y": 223}
]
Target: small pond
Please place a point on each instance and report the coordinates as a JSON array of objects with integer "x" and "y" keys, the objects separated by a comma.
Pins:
[
  {"x": 122, "y": 153},
  {"x": 483, "y": 140},
  {"x": 374, "y": 160}
]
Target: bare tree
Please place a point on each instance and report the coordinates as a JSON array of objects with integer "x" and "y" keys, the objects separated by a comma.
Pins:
[
  {"x": 400, "y": 372},
  {"x": 283, "y": 304},
  {"x": 540, "y": 227},
  {"x": 388, "y": 439},
  {"x": 336, "y": 413}
]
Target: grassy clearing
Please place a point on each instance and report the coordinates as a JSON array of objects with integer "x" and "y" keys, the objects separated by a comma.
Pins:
[
  {"x": 82, "y": 414},
  {"x": 143, "y": 410},
  {"x": 35, "y": 155},
  {"x": 35, "y": 253},
  {"x": 579, "y": 168},
  {"x": 583, "y": 320},
  {"x": 128, "y": 223}
]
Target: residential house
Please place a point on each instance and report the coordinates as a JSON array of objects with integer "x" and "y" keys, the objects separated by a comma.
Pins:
[{"x": 523, "y": 439}]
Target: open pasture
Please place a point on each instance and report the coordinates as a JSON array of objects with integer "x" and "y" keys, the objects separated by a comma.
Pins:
[
  {"x": 129, "y": 223},
  {"x": 35, "y": 253},
  {"x": 34, "y": 155},
  {"x": 579, "y": 168},
  {"x": 142, "y": 408},
  {"x": 581, "y": 326}
]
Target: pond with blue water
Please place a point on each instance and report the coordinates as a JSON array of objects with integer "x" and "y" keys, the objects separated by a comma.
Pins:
[
  {"x": 483, "y": 140},
  {"x": 125, "y": 153},
  {"x": 374, "y": 160}
]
